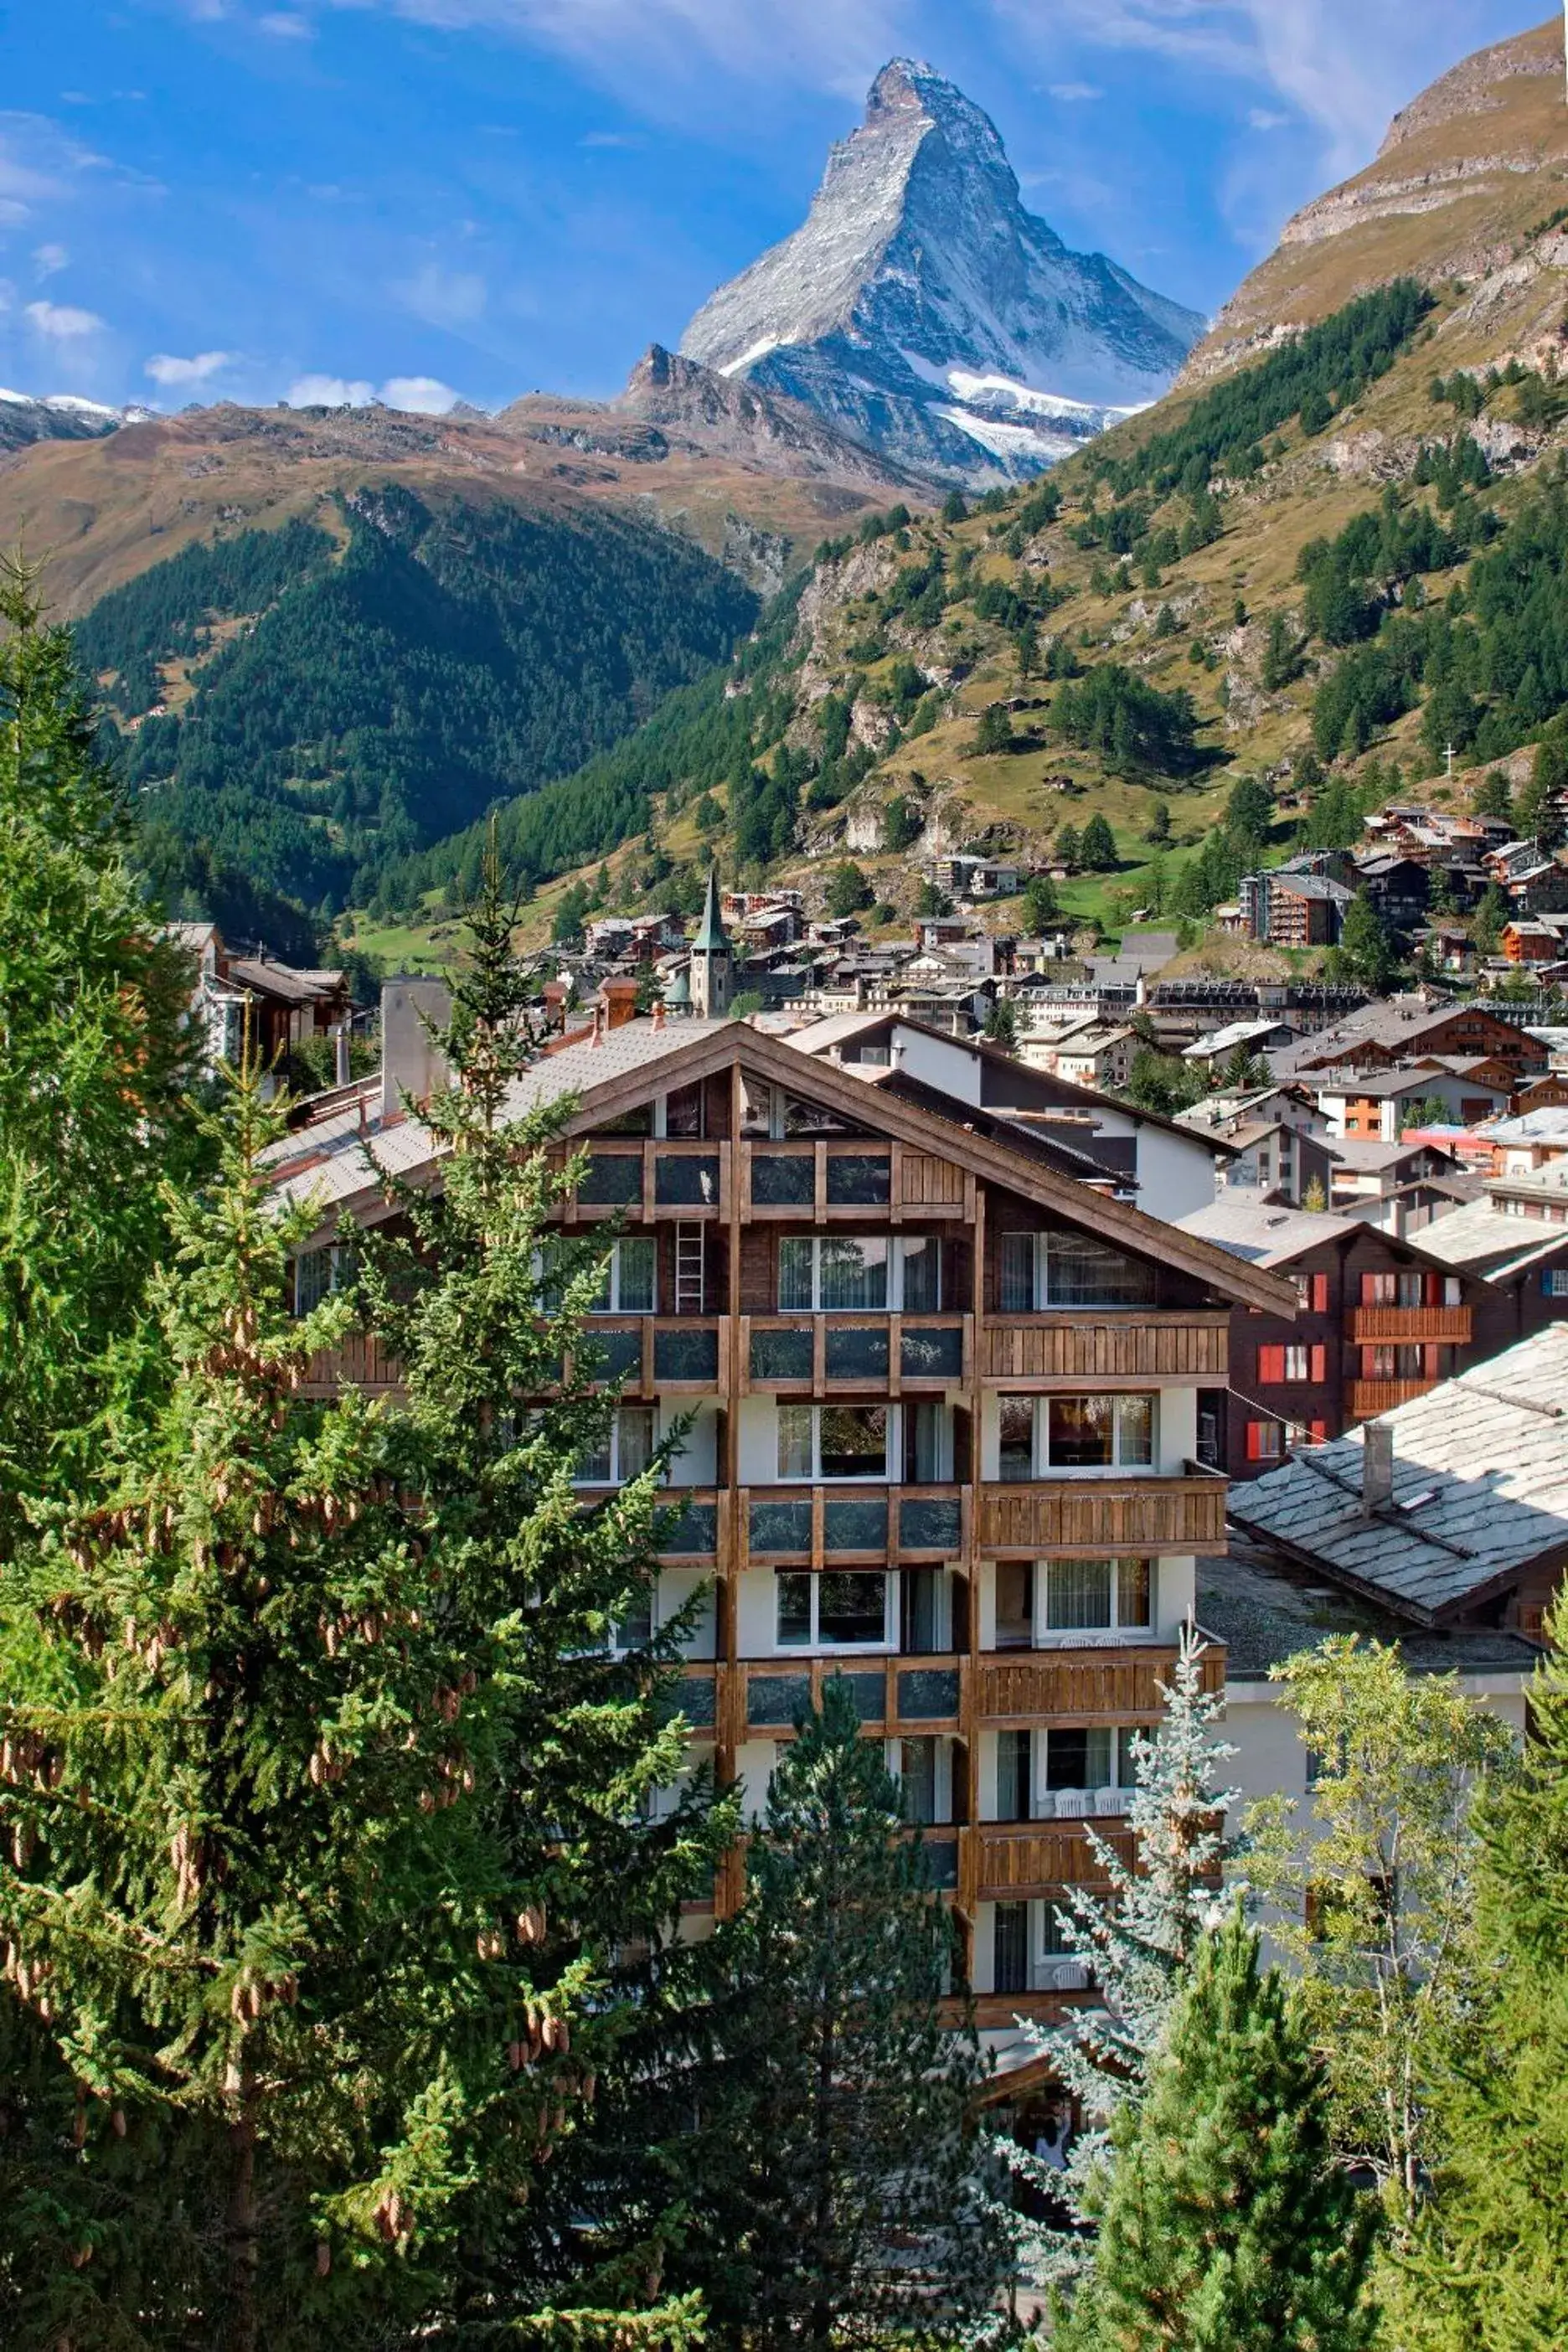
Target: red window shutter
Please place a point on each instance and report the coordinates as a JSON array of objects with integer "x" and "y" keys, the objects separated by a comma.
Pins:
[
  {"x": 1320, "y": 1363},
  {"x": 1369, "y": 1290},
  {"x": 1433, "y": 1291},
  {"x": 1319, "y": 1293},
  {"x": 1319, "y": 1433},
  {"x": 1255, "y": 1441},
  {"x": 1270, "y": 1366}
]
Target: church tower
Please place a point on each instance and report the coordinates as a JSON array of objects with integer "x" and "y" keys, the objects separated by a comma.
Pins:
[{"x": 712, "y": 961}]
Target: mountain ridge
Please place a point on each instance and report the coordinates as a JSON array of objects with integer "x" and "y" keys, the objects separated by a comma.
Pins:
[{"x": 924, "y": 310}]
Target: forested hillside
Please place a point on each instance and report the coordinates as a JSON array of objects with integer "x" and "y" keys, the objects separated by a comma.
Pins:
[{"x": 316, "y": 706}]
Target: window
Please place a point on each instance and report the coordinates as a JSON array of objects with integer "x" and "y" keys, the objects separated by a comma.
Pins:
[
  {"x": 1379, "y": 1290},
  {"x": 811, "y": 1118},
  {"x": 923, "y": 1612},
  {"x": 1403, "y": 1363},
  {"x": 628, "y": 1284},
  {"x": 1046, "y": 1270},
  {"x": 833, "y": 1440},
  {"x": 916, "y": 1766},
  {"x": 1294, "y": 1362},
  {"x": 318, "y": 1272},
  {"x": 841, "y": 1609},
  {"x": 1077, "y": 1756},
  {"x": 1098, "y": 1595},
  {"x": 1014, "y": 1604},
  {"x": 1098, "y": 1433},
  {"x": 928, "y": 1443},
  {"x": 1010, "y": 1947},
  {"x": 859, "y": 1273},
  {"x": 1015, "y": 1465},
  {"x": 683, "y": 1112},
  {"x": 1313, "y": 1291},
  {"x": 1554, "y": 1282},
  {"x": 1014, "y": 1775},
  {"x": 624, "y": 1451},
  {"x": 1264, "y": 1441}
]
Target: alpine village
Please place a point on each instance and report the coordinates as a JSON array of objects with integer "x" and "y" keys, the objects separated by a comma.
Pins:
[{"x": 783, "y": 1307}]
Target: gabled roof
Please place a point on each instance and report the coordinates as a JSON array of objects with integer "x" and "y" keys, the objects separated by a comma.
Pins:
[
  {"x": 1480, "y": 1489},
  {"x": 327, "y": 1163},
  {"x": 1482, "y": 1240}
]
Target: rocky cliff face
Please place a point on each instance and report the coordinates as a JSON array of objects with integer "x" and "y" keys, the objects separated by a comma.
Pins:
[{"x": 921, "y": 309}]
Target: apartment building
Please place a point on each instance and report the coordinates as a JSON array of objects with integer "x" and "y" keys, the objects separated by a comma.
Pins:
[{"x": 943, "y": 1402}]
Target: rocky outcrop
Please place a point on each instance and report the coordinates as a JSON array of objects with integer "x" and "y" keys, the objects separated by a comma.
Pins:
[{"x": 925, "y": 313}]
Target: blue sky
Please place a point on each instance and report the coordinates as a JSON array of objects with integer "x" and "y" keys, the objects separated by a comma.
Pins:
[{"x": 206, "y": 199}]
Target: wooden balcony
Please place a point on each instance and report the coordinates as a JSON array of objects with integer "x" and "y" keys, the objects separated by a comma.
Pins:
[
  {"x": 1117, "y": 1683},
  {"x": 893, "y": 1694},
  {"x": 652, "y": 1354},
  {"x": 1134, "y": 1345},
  {"x": 834, "y": 1526},
  {"x": 643, "y": 1179},
  {"x": 843, "y": 1354},
  {"x": 1104, "y": 1516},
  {"x": 1367, "y": 1398},
  {"x": 850, "y": 1180},
  {"x": 1009, "y": 1862},
  {"x": 362, "y": 1362},
  {"x": 1373, "y": 1327}
]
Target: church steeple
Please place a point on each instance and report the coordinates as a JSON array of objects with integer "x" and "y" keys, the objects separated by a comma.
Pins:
[{"x": 713, "y": 961}]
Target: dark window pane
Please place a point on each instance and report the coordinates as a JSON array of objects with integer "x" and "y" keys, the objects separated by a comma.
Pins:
[
  {"x": 855, "y": 1527},
  {"x": 1010, "y": 1947},
  {"x": 777, "y": 1700},
  {"x": 810, "y": 1119},
  {"x": 932, "y": 1355},
  {"x": 1081, "y": 1432},
  {"x": 780, "y": 1527},
  {"x": 853, "y": 1353},
  {"x": 695, "y": 1530},
  {"x": 1014, "y": 1604},
  {"x": 687, "y": 1181},
  {"x": 852, "y": 1605},
  {"x": 616, "y": 1355},
  {"x": 793, "y": 1594},
  {"x": 1016, "y": 1460},
  {"x": 782, "y": 1180},
  {"x": 683, "y": 1111},
  {"x": 929, "y": 1525},
  {"x": 917, "y": 1775},
  {"x": 941, "y": 1862},
  {"x": 922, "y": 1276},
  {"x": 686, "y": 1355},
  {"x": 928, "y": 1693},
  {"x": 858, "y": 1180},
  {"x": 920, "y": 1596},
  {"x": 853, "y": 1441},
  {"x": 611, "y": 1179},
  {"x": 781, "y": 1355}
]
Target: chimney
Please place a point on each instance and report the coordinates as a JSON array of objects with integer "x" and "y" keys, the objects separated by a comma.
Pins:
[
  {"x": 411, "y": 1061},
  {"x": 1377, "y": 1467},
  {"x": 340, "y": 1054},
  {"x": 554, "y": 995},
  {"x": 620, "y": 1001},
  {"x": 598, "y": 1035}
]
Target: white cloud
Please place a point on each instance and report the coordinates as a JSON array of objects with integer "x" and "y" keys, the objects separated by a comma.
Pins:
[
  {"x": 443, "y": 298},
  {"x": 60, "y": 322},
  {"x": 283, "y": 27},
  {"x": 328, "y": 392},
  {"x": 1263, "y": 118},
  {"x": 48, "y": 258},
  {"x": 650, "y": 47},
  {"x": 165, "y": 369},
  {"x": 1075, "y": 93},
  {"x": 421, "y": 396}
]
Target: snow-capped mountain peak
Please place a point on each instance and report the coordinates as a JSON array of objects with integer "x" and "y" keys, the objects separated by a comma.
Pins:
[{"x": 923, "y": 309}]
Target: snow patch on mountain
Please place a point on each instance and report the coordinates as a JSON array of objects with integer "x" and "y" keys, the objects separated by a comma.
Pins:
[{"x": 920, "y": 297}]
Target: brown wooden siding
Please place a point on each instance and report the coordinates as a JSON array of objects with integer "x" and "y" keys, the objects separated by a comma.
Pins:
[
  {"x": 1077, "y": 1685},
  {"x": 1139, "y": 1345},
  {"x": 1096, "y": 1516}
]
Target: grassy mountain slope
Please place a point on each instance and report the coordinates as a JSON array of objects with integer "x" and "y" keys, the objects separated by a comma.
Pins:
[{"x": 1290, "y": 541}]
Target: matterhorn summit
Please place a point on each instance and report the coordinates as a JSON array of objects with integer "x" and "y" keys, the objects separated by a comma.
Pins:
[{"x": 923, "y": 311}]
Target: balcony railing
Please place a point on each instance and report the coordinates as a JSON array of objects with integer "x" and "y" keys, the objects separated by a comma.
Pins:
[
  {"x": 649, "y": 1353},
  {"x": 1092, "y": 1343},
  {"x": 1383, "y": 1325},
  {"x": 1078, "y": 1684},
  {"x": 641, "y": 1178},
  {"x": 814, "y": 1354},
  {"x": 1104, "y": 1516},
  {"x": 808, "y": 1526},
  {"x": 849, "y": 1177},
  {"x": 1000, "y": 1862},
  {"x": 362, "y": 1362},
  {"x": 894, "y": 1693},
  {"x": 1369, "y": 1398}
]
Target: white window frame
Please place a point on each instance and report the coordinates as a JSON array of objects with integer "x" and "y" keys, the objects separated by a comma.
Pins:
[
  {"x": 896, "y": 1245},
  {"x": 1040, "y": 1463},
  {"x": 340, "y": 1258},
  {"x": 815, "y": 1646},
  {"x": 618, "y": 1474},
  {"x": 613, "y": 1303},
  {"x": 815, "y": 1476},
  {"x": 1118, "y": 1626}
]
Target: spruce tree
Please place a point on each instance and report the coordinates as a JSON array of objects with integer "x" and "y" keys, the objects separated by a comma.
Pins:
[
  {"x": 94, "y": 1059},
  {"x": 1223, "y": 2222},
  {"x": 841, "y": 2201}
]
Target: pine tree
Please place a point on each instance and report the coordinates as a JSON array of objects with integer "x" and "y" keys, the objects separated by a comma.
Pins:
[
  {"x": 1222, "y": 2220},
  {"x": 1490, "y": 2272},
  {"x": 845, "y": 2205},
  {"x": 95, "y": 1060}
]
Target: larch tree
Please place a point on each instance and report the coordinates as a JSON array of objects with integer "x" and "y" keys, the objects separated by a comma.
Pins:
[
  {"x": 1373, "y": 1902},
  {"x": 95, "y": 1060},
  {"x": 1222, "y": 2222},
  {"x": 842, "y": 2202},
  {"x": 1489, "y": 2268}
]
